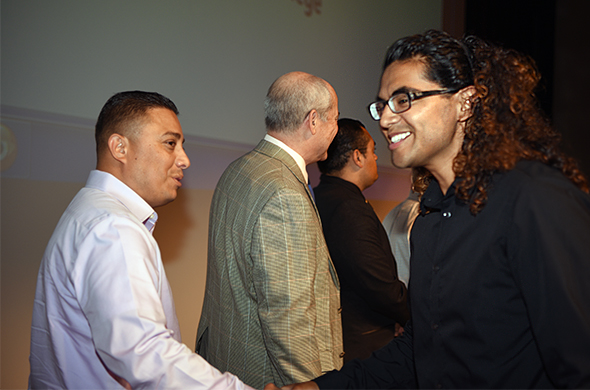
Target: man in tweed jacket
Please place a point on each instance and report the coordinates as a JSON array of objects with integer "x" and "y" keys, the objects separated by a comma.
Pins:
[{"x": 272, "y": 303}]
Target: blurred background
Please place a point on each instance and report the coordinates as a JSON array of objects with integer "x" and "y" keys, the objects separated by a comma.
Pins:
[{"x": 62, "y": 59}]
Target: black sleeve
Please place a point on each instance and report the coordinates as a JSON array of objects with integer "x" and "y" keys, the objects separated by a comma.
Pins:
[
  {"x": 391, "y": 367},
  {"x": 356, "y": 235},
  {"x": 550, "y": 244}
]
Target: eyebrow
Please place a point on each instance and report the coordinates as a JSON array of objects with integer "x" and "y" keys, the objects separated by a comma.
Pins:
[
  {"x": 397, "y": 91},
  {"x": 173, "y": 134}
]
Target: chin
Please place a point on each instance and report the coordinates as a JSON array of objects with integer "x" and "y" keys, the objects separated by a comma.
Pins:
[
  {"x": 171, "y": 198},
  {"x": 399, "y": 164},
  {"x": 163, "y": 202}
]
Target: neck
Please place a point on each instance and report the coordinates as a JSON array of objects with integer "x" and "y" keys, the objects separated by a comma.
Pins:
[
  {"x": 444, "y": 179},
  {"x": 442, "y": 167}
]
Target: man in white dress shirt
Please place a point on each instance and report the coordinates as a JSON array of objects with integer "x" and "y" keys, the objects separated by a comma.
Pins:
[{"x": 104, "y": 316}]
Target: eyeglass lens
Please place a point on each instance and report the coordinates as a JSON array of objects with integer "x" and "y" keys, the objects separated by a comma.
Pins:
[{"x": 397, "y": 103}]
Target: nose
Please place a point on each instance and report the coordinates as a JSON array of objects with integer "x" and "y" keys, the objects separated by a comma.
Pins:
[
  {"x": 388, "y": 117},
  {"x": 182, "y": 161}
]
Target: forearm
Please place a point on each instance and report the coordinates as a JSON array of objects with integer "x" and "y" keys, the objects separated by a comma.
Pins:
[{"x": 389, "y": 367}]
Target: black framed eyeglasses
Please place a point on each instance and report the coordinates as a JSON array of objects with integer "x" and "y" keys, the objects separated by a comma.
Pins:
[{"x": 402, "y": 101}]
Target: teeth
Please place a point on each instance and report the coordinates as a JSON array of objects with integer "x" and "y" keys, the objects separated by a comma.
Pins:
[{"x": 400, "y": 137}]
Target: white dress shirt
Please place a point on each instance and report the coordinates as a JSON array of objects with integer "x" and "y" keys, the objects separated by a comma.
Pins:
[
  {"x": 103, "y": 302},
  {"x": 296, "y": 156}
]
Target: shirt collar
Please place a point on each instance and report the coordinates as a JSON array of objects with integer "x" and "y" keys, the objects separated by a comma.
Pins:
[
  {"x": 150, "y": 222},
  {"x": 433, "y": 198},
  {"x": 343, "y": 183},
  {"x": 296, "y": 156},
  {"x": 108, "y": 183}
]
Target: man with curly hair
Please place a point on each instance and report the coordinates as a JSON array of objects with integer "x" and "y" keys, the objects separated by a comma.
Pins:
[{"x": 500, "y": 250}]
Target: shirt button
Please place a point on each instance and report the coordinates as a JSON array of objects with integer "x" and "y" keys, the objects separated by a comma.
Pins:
[
  {"x": 447, "y": 214},
  {"x": 434, "y": 326}
]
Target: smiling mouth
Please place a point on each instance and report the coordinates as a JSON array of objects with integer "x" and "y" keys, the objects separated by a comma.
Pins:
[{"x": 399, "y": 137}]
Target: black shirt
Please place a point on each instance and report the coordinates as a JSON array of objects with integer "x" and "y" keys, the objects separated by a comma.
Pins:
[{"x": 498, "y": 300}]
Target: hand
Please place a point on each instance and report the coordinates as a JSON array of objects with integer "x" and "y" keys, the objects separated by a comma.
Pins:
[
  {"x": 399, "y": 330},
  {"x": 311, "y": 385},
  {"x": 271, "y": 386}
]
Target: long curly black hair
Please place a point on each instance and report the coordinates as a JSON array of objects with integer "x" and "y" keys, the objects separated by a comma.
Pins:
[{"x": 506, "y": 125}]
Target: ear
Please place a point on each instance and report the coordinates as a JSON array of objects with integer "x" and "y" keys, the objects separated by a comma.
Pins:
[
  {"x": 357, "y": 158},
  {"x": 466, "y": 96},
  {"x": 118, "y": 145},
  {"x": 313, "y": 118}
]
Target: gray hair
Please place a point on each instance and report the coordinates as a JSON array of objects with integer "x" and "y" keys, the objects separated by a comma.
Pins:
[{"x": 290, "y": 99}]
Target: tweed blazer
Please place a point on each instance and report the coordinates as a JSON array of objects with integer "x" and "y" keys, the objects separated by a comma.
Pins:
[{"x": 271, "y": 311}]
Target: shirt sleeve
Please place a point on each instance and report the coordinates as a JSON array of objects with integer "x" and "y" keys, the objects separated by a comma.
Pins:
[
  {"x": 119, "y": 279},
  {"x": 285, "y": 257},
  {"x": 391, "y": 367},
  {"x": 550, "y": 247}
]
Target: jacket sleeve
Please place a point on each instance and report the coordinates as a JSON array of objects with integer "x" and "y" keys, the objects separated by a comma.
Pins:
[
  {"x": 361, "y": 250},
  {"x": 289, "y": 260}
]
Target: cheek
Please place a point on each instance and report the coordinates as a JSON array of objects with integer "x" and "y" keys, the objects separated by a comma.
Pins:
[{"x": 431, "y": 124}]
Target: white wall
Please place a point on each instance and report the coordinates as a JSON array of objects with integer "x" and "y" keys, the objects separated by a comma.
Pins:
[{"x": 214, "y": 59}]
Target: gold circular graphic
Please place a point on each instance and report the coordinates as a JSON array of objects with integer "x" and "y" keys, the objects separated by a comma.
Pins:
[{"x": 8, "y": 147}]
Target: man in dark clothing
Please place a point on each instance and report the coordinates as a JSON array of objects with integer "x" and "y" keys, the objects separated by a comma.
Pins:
[
  {"x": 373, "y": 298},
  {"x": 500, "y": 251}
]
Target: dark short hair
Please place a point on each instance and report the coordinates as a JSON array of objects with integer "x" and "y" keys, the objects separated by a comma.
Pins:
[
  {"x": 123, "y": 110},
  {"x": 351, "y": 135}
]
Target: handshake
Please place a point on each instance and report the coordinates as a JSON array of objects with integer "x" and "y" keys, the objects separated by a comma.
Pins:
[{"x": 311, "y": 385}]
